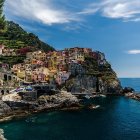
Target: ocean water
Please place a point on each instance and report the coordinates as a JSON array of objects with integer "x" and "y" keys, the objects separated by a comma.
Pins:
[
  {"x": 131, "y": 82},
  {"x": 118, "y": 118}
]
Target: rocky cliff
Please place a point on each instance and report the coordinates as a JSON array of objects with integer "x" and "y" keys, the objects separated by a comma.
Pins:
[{"x": 95, "y": 77}]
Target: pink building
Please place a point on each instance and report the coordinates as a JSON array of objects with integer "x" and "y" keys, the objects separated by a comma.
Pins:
[{"x": 38, "y": 77}]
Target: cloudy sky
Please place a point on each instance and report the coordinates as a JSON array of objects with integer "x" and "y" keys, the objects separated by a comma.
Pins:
[{"x": 110, "y": 26}]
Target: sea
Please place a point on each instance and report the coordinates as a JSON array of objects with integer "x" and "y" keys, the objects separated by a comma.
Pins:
[{"x": 118, "y": 118}]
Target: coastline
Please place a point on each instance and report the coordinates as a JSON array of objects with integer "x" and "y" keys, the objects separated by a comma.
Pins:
[{"x": 21, "y": 113}]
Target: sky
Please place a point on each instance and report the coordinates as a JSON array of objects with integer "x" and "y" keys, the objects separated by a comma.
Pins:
[{"x": 110, "y": 26}]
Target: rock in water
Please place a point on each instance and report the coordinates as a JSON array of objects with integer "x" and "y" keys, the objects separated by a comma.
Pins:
[
  {"x": 4, "y": 108},
  {"x": 128, "y": 90},
  {"x": 2, "y": 135}
]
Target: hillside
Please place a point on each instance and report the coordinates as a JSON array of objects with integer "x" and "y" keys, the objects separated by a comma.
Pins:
[
  {"x": 15, "y": 37},
  {"x": 2, "y": 17},
  {"x": 16, "y": 42},
  {"x": 20, "y": 42}
]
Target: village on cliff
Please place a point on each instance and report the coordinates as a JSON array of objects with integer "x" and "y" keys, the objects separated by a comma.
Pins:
[
  {"x": 50, "y": 80},
  {"x": 53, "y": 67}
]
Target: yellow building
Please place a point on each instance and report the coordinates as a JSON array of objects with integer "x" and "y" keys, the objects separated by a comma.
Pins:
[
  {"x": 52, "y": 61},
  {"x": 79, "y": 56},
  {"x": 39, "y": 55},
  {"x": 21, "y": 74}
]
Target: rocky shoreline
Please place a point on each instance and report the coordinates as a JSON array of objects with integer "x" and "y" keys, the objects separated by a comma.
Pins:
[
  {"x": 131, "y": 95},
  {"x": 62, "y": 101},
  {"x": 2, "y": 135},
  {"x": 18, "y": 114}
]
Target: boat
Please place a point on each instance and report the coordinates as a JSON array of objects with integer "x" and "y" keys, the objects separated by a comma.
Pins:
[
  {"x": 94, "y": 106},
  {"x": 87, "y": 97},
  {"x": 102, "y": 95}
]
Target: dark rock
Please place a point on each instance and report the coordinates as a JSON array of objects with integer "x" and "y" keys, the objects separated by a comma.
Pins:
[
  {"x": 4, "y": 108},
  {"x": 128, "y": 90}
]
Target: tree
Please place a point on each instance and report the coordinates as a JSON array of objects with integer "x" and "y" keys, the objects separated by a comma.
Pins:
[{"x": 2, "y": 17}]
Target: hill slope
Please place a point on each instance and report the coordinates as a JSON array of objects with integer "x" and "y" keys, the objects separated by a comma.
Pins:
[
  {"x": 16, "y": 41},
  {"x": 15, "y": 37}
]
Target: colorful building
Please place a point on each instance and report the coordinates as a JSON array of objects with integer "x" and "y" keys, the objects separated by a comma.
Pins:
[{"x": 62, "y": 77}]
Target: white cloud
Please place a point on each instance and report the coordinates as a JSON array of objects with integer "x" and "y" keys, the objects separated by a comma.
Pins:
[
  {"x": 55, "y": 12},
  {"x": 133, "y": 52},
  {"x": 123, "y": 9},
  {"x": 39, "y": 10}
]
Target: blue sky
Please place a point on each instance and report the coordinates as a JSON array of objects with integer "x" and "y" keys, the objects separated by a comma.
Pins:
[{"x": 110, "y": 26}]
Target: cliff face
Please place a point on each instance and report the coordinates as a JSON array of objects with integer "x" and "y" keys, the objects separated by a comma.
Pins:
[
  {"x": 91, "y": 84},
  {"x": 95, "y": 74},
  {"x": 4, "y": 108}
]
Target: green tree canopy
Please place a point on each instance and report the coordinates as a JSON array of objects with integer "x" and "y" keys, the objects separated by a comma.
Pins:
[{"x": 2, "y": 17}]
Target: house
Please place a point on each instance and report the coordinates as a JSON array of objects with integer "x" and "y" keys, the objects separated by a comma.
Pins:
[
  {"x": 62, "y": 77},
  {"x": 29, "y": 55},
  {"x": 53, "y": 60},
  {"x": 101, "y": 59},
  {"x": 87, "y": 51},
  {"x": 75, "y": 68},
  {"x": 27, "y": 61},
  {"x": 62, "y": 67},
  {"x": 5, "y": 51},
  {"x": 79, "y": 56},
  {"x": 38, "y": 55},
  {"x": 4, "y": 66},
  {"x": 94, "y": 55},
  {"x": 28, "y": 76},
  {"x": 38, "y": 77},
  {"x": 102, "y": 62},
  {"x": 76, "y": 54},
  {"x": 21, "y": 74},
  {"x": 40, "y": 74},
  {"x": 101, "y": 56},
  {"x": 18, "y": 67},
  {"x": 1, "y": 49}
]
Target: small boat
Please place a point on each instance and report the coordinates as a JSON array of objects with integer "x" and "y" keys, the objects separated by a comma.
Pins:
[
  {"x": 94, "y": 96},
  {"x": 94, "y": 106},
  {"x": 104, "y": 96},
  {"x": 87, "y": 97}
]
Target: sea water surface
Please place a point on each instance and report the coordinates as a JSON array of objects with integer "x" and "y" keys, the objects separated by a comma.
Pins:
[
  {"x": 131, "y": 82},
  {"x": 117, "y": 119}
]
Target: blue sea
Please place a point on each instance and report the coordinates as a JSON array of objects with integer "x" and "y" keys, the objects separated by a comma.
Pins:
[
  {"x": 131, "y": 82},
  {"x": 117, "y": 119}
]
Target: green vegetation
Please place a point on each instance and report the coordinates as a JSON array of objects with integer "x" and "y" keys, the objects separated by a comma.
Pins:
[
  {"x": 105, "y": 71},
  {"x": 12, "y": 59},
  {"x": 2, "y": 17},
  {"x": 14, "y": 37},
  {"x": 17, "y": 38},
  {"x": 91, "y": 65}
]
